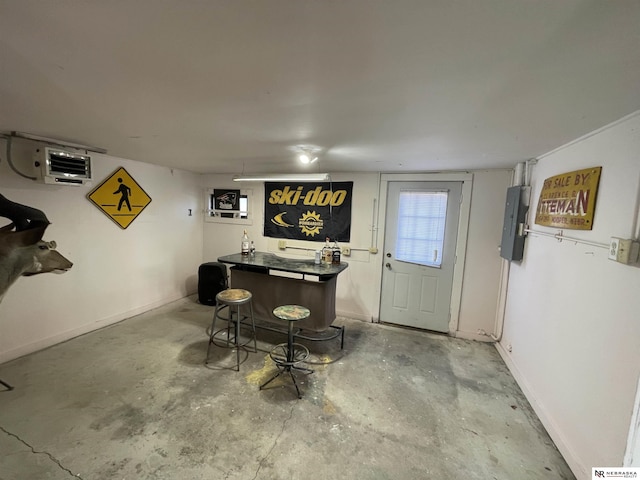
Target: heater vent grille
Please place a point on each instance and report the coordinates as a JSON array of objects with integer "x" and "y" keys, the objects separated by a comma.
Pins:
[{"x": 62, "y": 167}]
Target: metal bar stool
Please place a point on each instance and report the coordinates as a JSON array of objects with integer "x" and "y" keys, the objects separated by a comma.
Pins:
[
  {"x": 233, "y": 298},
  {"x": 286, "y": 356}
]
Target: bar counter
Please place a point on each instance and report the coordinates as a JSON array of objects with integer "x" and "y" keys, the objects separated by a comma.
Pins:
[{"x": 313, "y": 287}]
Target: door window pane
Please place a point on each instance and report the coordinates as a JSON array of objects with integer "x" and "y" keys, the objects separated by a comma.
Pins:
[{"x": 421, "y": 221}]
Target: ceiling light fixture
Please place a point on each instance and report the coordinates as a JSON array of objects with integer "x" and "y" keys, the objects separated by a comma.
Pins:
[
  {"x": 283, "y": 177},
  {"x": 307, "y": 154},
  {"x": 306, "y": 158}
]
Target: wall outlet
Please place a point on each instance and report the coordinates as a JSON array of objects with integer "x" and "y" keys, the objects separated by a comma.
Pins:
[
  {"x": 623, "y": 250},
  {"x": 614, "y": 247},
  {"x": 346, "y": 251},
  {"x": 282, "y": 244}
]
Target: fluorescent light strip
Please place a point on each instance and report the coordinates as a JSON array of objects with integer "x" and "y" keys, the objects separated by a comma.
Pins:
[{"x": 284, "y": 177}]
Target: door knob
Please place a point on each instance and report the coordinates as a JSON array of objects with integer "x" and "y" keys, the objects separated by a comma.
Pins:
[{"x": 388, "y": 265}]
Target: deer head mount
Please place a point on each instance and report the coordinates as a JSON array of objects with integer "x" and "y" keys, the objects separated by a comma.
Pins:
[{"x": 22, "y": 250}]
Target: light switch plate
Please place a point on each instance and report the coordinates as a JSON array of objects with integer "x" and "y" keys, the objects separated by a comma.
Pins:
[{"x": 624, "y": 249}]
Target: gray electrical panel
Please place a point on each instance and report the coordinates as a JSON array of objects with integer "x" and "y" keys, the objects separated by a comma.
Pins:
[{"x": 515, "y": 212}]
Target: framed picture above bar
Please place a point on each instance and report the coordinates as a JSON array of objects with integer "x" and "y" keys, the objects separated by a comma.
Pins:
[
  {"x": 569, "y": 200},
  {"x": 226, "y": 200}
]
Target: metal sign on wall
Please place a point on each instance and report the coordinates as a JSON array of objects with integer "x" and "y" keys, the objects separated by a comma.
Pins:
[
  {"x": 120, "y": 198},
  {"x": 308, "y": 211},
  {"x": 569, "y": 200}
]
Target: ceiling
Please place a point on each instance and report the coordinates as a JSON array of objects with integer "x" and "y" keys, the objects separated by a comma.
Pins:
[{"x": 231, "y": 86}]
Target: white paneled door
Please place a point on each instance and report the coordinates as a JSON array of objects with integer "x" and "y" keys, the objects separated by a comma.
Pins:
[{"x": 419, "y": 253}]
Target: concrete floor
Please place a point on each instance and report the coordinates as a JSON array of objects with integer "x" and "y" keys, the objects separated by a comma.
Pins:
[{"x": 135, "y": 401}]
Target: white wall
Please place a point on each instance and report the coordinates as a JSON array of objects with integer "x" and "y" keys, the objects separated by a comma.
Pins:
[
  {"x": 572, "y": 315},
  {"x": 483, "y": 263},
  {"x": 116, "y": 273},
  {"x": 358, "y": 286}
]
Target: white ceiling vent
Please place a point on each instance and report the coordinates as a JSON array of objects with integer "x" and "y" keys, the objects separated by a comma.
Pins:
[{"x": 62, "y": 167}]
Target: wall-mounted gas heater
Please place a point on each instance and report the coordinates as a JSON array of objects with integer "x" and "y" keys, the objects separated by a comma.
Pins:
[{"x": 61, "y": 167}]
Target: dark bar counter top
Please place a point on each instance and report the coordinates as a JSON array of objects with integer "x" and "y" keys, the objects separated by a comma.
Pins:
[
  {"x": 263, "y": 262},
  {"x": 315, "y": 289}
]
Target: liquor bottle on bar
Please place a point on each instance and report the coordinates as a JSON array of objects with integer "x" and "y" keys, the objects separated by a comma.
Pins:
[
  {"x": 245, "y": 244},
  {"x": 335, "y": 253},
  {"x": 327, "y": 253}
]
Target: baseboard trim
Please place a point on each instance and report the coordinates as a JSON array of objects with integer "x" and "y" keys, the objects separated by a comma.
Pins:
[
  {"x": 355, "y": 316},
  {"x": 46, "y": 342},
  {"x": 471, "y": 336},
  {"x": 578, "y": 469}
]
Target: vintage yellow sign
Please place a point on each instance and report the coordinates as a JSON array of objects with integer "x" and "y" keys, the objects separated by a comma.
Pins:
[
  {"x": 569, "y": 200},
  {"x": 120, "y": 198}
]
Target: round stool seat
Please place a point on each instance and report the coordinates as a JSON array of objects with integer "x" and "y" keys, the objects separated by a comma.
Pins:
[
  {"x": 234, "y": 301},
  {"x": 291, "y": 313},
  {"x": 233, "y": 296},
  {"x": 286, "y": 356}
]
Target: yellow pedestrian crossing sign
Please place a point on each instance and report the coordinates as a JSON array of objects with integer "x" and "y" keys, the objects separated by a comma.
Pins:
[{"x": 120, "y": 198}]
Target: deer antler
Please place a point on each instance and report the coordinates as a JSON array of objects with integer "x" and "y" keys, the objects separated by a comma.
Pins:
[{"x": 21, "y": 216}]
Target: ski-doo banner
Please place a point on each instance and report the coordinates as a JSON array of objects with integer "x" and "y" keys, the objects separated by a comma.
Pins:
[{"x": 308, "y": 210}]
